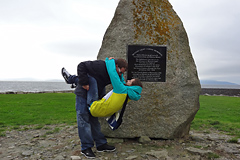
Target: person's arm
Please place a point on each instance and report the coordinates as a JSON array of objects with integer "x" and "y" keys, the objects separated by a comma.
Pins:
[
  {"x": 118, "y": 86},
  {"x": 121, "y": 77}
]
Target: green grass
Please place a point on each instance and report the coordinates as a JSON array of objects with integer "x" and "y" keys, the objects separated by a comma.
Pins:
[
  {"x": 218, "y": 112},
  {"x": 41, "y": 109}
]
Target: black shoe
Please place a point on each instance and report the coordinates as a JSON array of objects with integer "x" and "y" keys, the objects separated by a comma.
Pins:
[
  {"x": 73, "y": 86},
  {"x": 106, "y": 148},
  {"x": 65, "y": 75},
  {"x": 88, "y": 153}
]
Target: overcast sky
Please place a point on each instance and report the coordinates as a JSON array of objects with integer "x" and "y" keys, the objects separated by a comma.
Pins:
[{"x": 39, "y": 37}]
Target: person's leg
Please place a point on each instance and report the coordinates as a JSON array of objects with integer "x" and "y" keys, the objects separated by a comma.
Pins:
[
  {"x": 73, "y": 79},
  {"x": 98, "y": 136},
  {"x": 92, "y": 95},
  {"x": 86, "y": 121},
  {"x": 89, "y": 128},
  {"x": 69, "y": 79},
  {"x": 84, "y": 126}
]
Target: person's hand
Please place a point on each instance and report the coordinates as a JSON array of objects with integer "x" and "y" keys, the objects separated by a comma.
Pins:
[
  {"x": 111, "y": 58},
  {"x": 86, "y": 87}
]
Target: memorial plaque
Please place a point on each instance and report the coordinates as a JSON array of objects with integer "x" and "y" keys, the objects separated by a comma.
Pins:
[{"x": 148, "y": 63}]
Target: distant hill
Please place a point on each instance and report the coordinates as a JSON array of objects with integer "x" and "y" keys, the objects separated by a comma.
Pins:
[{"x": 212, "y": 82}]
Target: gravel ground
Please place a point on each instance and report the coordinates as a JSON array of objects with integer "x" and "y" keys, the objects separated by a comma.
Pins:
[{"x": 60, "y": 142}]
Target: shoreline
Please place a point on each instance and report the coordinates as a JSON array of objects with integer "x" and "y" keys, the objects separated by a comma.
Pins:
[
  {"x": 204, "y": 91},
  {"x": 220, "y": 92}
]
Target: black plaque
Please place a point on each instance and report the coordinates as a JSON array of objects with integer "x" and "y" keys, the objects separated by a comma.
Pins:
[{"x": 148, "y": 63}]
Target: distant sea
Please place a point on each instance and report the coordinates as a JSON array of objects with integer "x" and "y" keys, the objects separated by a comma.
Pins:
[
  {"x": 41, "y": 86},
  {"x": 33, "y": 86},
  {"x": 220, "y": 86}
]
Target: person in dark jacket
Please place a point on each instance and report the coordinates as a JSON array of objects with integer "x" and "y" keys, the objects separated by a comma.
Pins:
[{"x": 92, "y": 79}]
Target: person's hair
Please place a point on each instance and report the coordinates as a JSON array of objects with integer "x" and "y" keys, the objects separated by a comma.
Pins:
[
  {"x": 122, "y": 63},
  {"x": 137, "y": 82}
]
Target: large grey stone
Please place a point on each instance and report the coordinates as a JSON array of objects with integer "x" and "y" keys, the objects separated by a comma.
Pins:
[
  {"x": 159, "y": 154},
  {"x": 198, "y": 151},
  {"x": 165, "y": 109}
]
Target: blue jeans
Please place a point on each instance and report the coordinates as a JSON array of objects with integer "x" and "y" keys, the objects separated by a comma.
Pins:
[
  {"x": 73, "y": 79},
  {"x": 89, "y": 129}
]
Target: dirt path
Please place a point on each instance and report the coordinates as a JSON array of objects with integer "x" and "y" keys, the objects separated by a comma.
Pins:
[{"x": 62, "y": 142}]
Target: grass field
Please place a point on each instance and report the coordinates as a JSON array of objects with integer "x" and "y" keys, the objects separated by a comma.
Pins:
[
  {"x": 27, "y": 109},
  {"x": 218, "y": 112}
]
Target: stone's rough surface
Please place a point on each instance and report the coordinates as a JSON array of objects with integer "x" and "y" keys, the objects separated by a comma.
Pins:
[
  {"x": 159, "y": 154},
  {"x": 165, "y": 110},
  {"x": 144, "y": 139},
  {"x": 75, "y": 157}
]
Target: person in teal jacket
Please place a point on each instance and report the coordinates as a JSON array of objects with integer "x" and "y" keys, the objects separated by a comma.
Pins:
[{"x": 113, "y": 101}]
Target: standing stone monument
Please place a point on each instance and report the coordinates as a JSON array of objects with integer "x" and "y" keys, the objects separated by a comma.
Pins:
[{"x": 166, "y": 109}]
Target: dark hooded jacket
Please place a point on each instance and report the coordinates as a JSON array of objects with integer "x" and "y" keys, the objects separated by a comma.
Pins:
[{"x": 96, "y": 69}]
